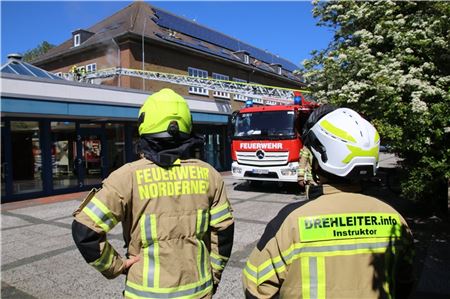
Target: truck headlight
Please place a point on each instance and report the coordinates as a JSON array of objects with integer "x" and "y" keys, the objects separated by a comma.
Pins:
[
  {"x": 236, "y": 170},
  {"x": 289, "y": 172}
]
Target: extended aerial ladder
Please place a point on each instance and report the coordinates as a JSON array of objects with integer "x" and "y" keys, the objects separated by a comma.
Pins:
[{"x": 271, "y": 95}]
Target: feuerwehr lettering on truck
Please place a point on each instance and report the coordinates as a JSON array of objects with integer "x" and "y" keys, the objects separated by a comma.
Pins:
[{"x": 262, "y": 146}]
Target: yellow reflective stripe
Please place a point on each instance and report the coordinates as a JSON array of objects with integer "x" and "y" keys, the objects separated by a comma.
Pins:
[
  {"x": 199, "y": 258},
  {"x": 202, "y": 223},
  {"x": 105, "y": 260},
  {"x": 218, "y": 209},
  {"x": 199, "y": 222},
  {"x": 216, "y": 267},
  {"x": 201, "y": 228},
  {"x": 250, "y": 272},
  {"x": 304, "y": 262},
  {"x": 203, "y": 285},
  {"x": 323, "y": 249},
  {"x": 100, "y": 214},
  {"x": 225, "y": 216},
  {"x": 265, "y": 275},
  {"x": 205, "y": 261},
  {"x": 219, "y": 214},
  {"x": 313, "y": 283},
  {"x": 334, "y": 249},
  {"x": 356, "y": 151},
  {"x": 150, "y": 270},
  {"x": 218, "y": 262},
  {"x": 202, "y": 259},
  {"x": 206, "y": 224},
  {"x": 145, "y": 253},
  {"x": 218, "y": 256},
  {"x": 317, "y": 251},
  {"x": 264, "y": 271},
  {"x": 329, "y": 127},
  {"x": 321, "y": 278},
  {"x": 156, "y": 249}
]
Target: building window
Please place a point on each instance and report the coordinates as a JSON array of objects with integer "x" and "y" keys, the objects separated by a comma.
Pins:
[
  {"x": 279, "y": 70},
  {"x": 76, "y": 40},
  {"x": 27, "y": 159},
  {"x": 240, "y": 97},
  {"x": 193, "y": 72},
  {"x": 115, "y": 139},
  {"x": 221, "y": 94},
  {"x": 246, "y": 59},
  {"x": 64, "y": 152},
  {"x": 90, "y": 68}
]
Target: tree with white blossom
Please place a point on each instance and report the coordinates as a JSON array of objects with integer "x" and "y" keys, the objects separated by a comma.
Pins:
[{"x": 390, "y": 61}]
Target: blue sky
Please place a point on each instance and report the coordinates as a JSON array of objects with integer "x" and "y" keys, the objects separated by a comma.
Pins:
[{"x": 286, "y": 28}]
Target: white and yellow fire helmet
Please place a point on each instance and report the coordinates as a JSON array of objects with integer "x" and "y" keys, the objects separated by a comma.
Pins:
[{"x": 344, "y": 143}]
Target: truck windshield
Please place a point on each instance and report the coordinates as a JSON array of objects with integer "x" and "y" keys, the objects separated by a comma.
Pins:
[{"x": 277, "y": 124}]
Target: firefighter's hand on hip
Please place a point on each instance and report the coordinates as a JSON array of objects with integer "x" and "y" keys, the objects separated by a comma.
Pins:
[{"x": 129, "y": 262}]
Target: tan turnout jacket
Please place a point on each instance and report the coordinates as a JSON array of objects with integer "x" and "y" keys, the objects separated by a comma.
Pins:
[
  {"x": 340, "y": 245},
  {"x": 171, "y": 219}
]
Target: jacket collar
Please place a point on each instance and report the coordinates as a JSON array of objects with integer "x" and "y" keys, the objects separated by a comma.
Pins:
[{"x": 325, "y": 189}]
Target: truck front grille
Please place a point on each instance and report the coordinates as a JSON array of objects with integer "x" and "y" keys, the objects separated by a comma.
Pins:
[{"x": 270, "y": 158}]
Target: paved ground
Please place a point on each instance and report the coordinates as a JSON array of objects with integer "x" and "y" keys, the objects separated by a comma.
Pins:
[{"x": 40, "y": 260}]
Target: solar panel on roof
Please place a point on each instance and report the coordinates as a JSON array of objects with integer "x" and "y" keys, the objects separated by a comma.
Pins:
[
  {"x": 187, "y": 27},
  {"x": 195, "y": 46}
]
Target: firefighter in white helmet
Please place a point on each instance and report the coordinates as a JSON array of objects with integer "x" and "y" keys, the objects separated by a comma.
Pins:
[
  {"x": 341, "y": 243},
  {"x": 176, "y": 218}
]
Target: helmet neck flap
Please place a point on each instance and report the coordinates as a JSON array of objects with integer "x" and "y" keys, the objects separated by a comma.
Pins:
[{"x": 165, "y": 152}]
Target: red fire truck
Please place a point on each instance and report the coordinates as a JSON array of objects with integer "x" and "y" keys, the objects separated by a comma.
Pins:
[{"x": 266, "y": 140}]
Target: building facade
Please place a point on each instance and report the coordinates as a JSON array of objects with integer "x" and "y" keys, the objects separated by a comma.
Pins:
[
  {"x": 62, "y": 136},
  {"x": 143, "y": 37}
]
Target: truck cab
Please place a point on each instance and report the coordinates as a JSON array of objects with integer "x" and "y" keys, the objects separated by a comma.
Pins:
[{"x": 266, "y": 142}]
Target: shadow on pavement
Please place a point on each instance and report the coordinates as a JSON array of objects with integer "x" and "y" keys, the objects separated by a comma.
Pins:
[
  {"x": 431, "y": 236},
  {"x": 268, "y": 187}
]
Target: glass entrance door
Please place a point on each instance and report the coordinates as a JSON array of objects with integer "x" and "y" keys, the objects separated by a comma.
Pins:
[
  {"x": 214, "y": 150},
  {"x": 90, "y": 157}
]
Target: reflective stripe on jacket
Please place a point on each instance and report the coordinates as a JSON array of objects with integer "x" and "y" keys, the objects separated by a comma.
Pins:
[
  {"x": 340, "y": 245},
  {"x": 178, "y": 220}
]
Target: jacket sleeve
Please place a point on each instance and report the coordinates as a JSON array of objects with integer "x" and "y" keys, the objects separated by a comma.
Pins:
[
  {"x": 264, "y": 271},
  {"x": 271, "y": 260},
  {"x": 222, "y": 230},
  {"x": 100, "y": 212}
]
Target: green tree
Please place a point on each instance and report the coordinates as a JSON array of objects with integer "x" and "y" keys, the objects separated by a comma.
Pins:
[
  {"x": 39, "y": 50},
  {"x": 390, "y": 61}
]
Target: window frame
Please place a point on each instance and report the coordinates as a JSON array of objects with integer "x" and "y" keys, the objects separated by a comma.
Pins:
[
  {"x": 195, "y": 72},
  {"x": 221, "y": 94},
  {"x": 77, "y": 40},
  {"x": 239, "y": 97},
  {"x": 246, "y": 59},
  {"x": 92, "y": 66}
]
